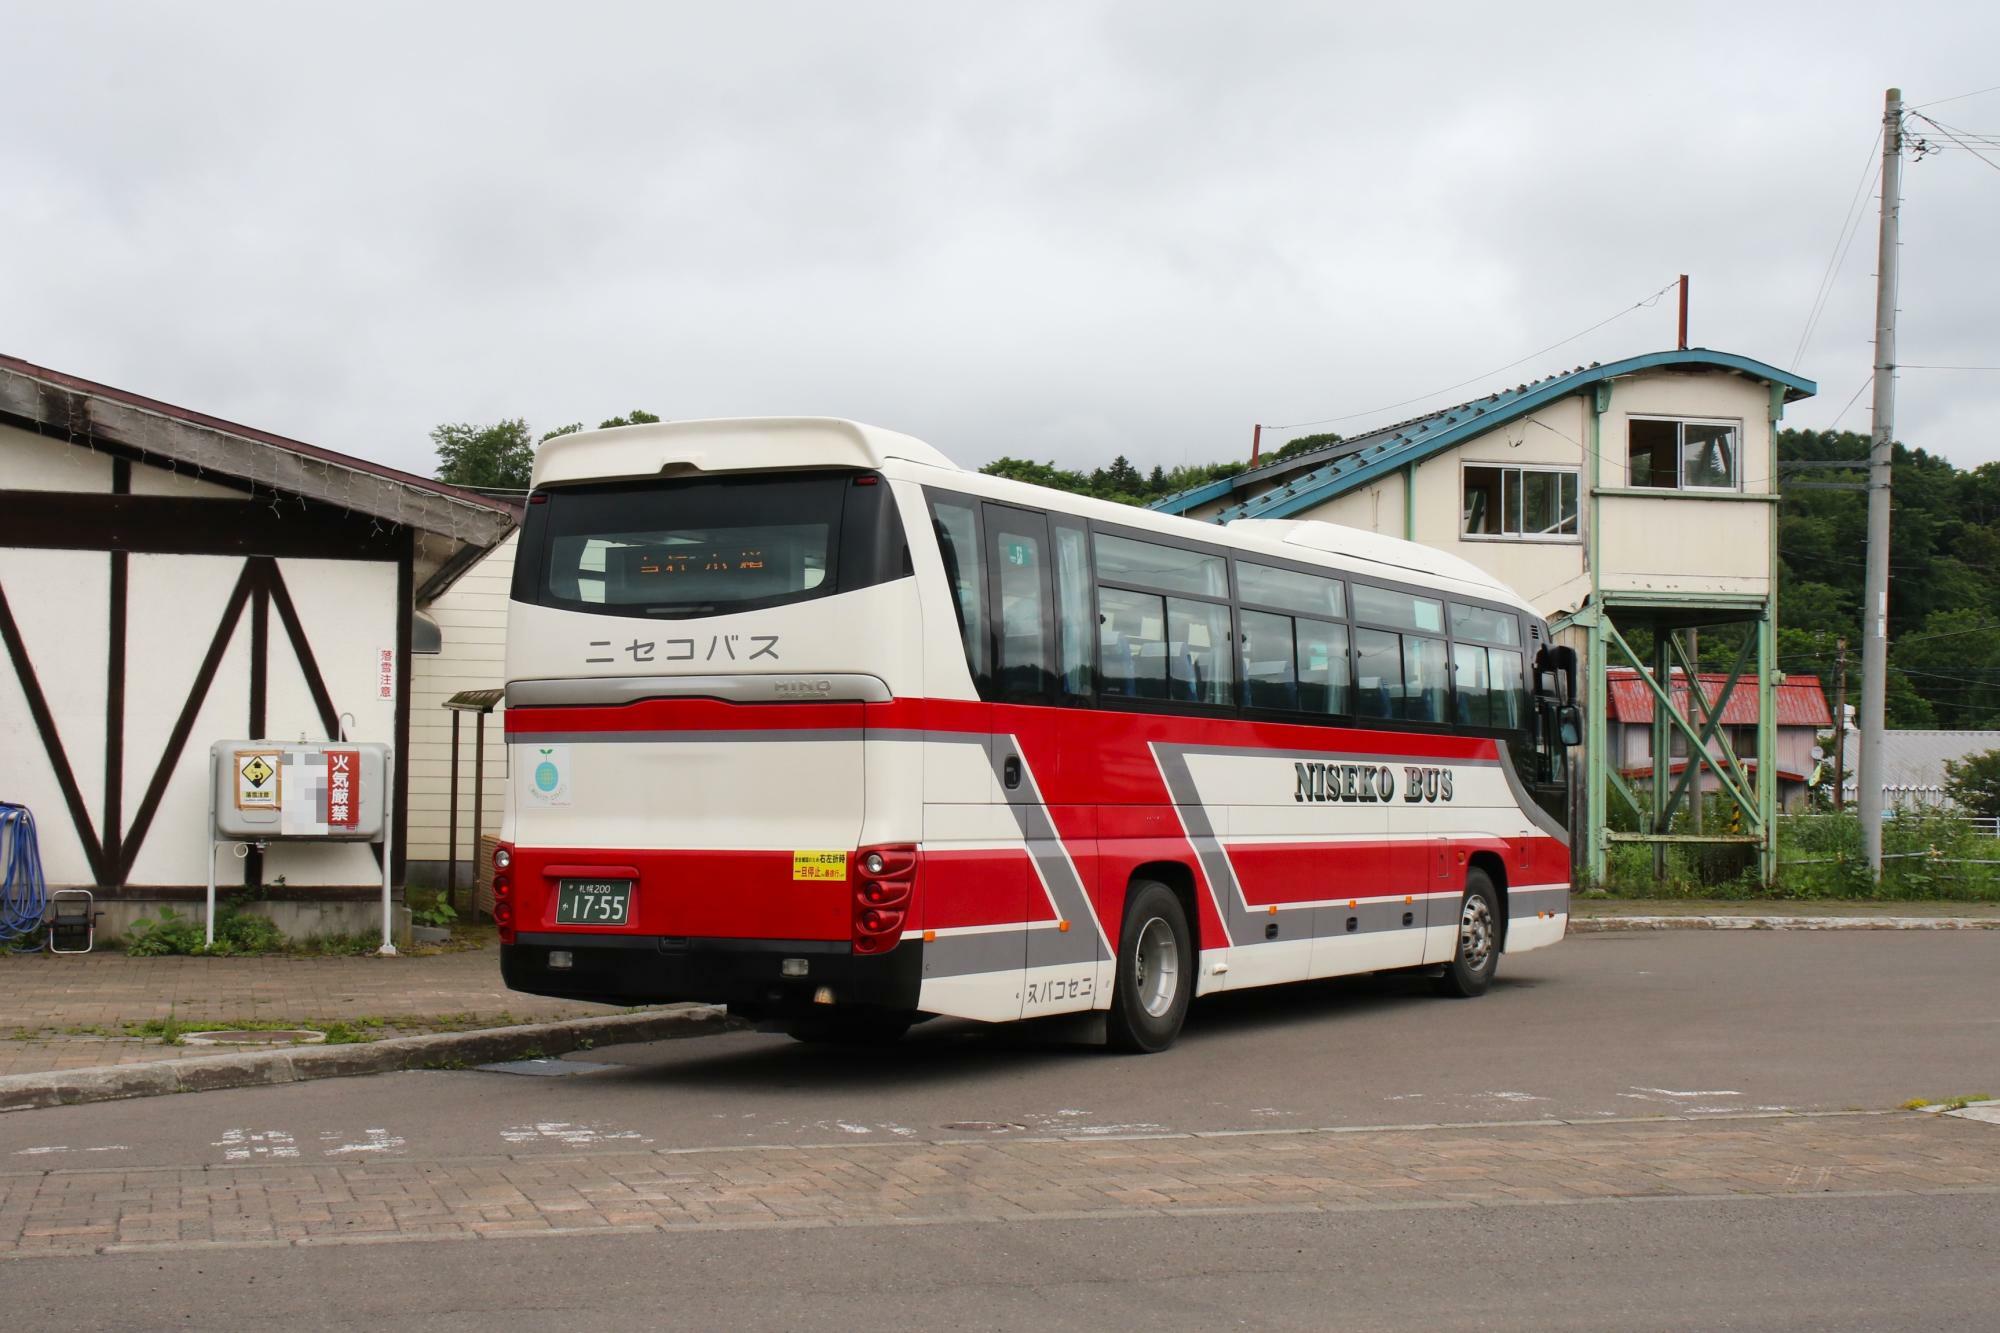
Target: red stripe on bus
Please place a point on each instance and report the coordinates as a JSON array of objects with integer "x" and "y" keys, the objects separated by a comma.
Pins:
[{"x": 1137, "y": 730}]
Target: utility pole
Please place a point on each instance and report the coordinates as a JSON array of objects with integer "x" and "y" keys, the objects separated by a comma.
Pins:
[
  {"x": 1684, "y": 312},
  {"x": 1840, "y": 727},
  {"x": 1256, "y": 442},
  {"x": 1875, "y": 604}
]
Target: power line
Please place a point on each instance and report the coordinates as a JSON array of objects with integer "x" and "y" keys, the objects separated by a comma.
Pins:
[
  {"x": 1959, "y": 97},
  {"x": 1905, "y": 366},
  {"x": 1953, "y": 135},
  {"x": 1850, "y": 404},
  {"x": 1850, "y": 224},
  {"x": 1329, "y": 421}
]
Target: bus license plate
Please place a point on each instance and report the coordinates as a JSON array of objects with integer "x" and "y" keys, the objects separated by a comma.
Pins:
[{"x": 593, "y": 902}]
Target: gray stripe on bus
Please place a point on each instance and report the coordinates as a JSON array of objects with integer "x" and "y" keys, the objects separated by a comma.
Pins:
[
  {"x": 1527, "y": 902},
  {"x": 1001, "y": 951},
  {"x": 986, "y": 951},
  {"x": 1238, "y": 921},
  {"x": 1045, "y": 847}
]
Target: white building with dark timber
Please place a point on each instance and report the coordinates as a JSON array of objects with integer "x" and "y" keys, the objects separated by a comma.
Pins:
[{"x": 168, "y": 580}]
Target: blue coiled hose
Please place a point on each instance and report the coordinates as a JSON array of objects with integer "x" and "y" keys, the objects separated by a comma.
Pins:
[{"x": 24, "y": 894}]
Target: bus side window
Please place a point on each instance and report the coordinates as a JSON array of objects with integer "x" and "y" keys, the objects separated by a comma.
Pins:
[
  {"x": 1018, "y": 543},
  {"x": 1378, "y": 673},
  {"x": 1472, "y": 687},
  {"x": 1132, "y": 639},
  {"x": 1074, "y": 663},
  {"x": 957, "y": 528},
  {"x": 1510, "y": 690}
]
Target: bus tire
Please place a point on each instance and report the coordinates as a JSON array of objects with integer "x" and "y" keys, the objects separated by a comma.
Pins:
[
  {"x": 851, "y": 1029},
  {"x": 1154, "y": 978},
  {"x": 1476, "y": 956}
]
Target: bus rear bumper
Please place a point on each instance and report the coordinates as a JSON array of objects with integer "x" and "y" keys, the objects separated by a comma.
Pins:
[{"x": 750, "y": 976}]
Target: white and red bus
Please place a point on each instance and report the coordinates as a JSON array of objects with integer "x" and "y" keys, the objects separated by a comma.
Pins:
[{"x": 806, "y": 720}]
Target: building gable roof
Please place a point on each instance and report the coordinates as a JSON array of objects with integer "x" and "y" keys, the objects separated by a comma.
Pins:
[
  {"x": 85, "y": 412},
  {"x": 1799, "y": 701},
  {"x": 1313, "y": 478}
]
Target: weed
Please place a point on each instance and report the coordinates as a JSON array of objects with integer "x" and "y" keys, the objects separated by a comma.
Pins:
[
  {"x": 435, "y": 910},
  {"x": 1958, "y": 1103},
  {"x": 167, "y": 1031},
  {"x": 236, "y": 932}
]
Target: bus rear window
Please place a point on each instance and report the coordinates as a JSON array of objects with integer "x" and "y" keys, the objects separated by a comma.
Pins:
[{"x": 707, "y": 546}]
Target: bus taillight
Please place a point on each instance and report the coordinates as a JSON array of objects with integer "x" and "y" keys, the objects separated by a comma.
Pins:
[
  {"x": 885, "y": 878},
  {"x": 503, "y": 892}
]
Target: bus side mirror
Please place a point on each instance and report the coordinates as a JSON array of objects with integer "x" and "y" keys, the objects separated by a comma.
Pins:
[
  {"x": 1569, "y": 724},
  {"x": 1562, "y": 658}
]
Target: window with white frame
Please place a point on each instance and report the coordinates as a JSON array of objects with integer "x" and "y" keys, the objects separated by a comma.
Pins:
[
  {"x": 1520, "y": 503},
  {"x": 1683, "y": 455}
]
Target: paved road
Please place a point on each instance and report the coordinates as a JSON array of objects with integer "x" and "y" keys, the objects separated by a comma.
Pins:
[
  {"x": 1858, "y": 1219},
  {"x": 1604, "y": 1026}
]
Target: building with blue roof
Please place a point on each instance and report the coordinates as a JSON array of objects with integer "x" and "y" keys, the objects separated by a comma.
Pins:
[{"x": 1638, "y": 493}]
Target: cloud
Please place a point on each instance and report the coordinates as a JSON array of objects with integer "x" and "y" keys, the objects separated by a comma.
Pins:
[{"x": 1065, "y": 230}]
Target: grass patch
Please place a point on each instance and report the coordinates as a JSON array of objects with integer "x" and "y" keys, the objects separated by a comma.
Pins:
[
  {"x": 1926, "y": 858},
  {"x": 1958, "y": 1103}
]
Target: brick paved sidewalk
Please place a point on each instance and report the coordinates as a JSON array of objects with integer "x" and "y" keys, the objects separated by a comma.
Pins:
[
  {"x": 1540, "y": 1163},
  {"x": 69, "y": 1013}
]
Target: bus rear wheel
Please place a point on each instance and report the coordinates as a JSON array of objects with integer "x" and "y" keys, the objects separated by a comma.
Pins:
[
  {"x": 1477, "y": 956},
  {"x": 1155, "y": 971}
]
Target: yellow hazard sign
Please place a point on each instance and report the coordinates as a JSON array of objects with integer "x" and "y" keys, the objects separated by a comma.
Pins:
[
  {"x": 258, "y": 779},
  {"x": 819, "y": 865}
]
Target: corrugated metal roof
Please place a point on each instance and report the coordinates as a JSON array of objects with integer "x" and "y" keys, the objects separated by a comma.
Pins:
[
  {"x": 1913, "y": 761},
  {"x": 1799, "y": 700},
  {"x": 1313, "y": 478}
]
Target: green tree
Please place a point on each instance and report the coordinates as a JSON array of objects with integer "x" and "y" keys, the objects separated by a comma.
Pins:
[
  {"x": 635, "y": 417},
  {"x": 1954, "y": 661},
  {"x": 502, "y": 456},
  {"x": 1305, "y": 444},
  {"x": 1973, "y": 783},
  {"x": 497, "y": 457},
  {"x": 1039, "y": 474}
]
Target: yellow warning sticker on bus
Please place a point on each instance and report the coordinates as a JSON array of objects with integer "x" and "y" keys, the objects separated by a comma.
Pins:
[{"x": 819, "y": 865}]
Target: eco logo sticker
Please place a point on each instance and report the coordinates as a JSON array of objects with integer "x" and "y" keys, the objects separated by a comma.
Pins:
[{"x": 548, "y": 775}]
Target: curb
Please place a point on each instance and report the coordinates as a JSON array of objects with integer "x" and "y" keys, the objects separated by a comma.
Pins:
[
  {"x": 253, "y": 1069},
  {"x": 1593, "y": 925}
]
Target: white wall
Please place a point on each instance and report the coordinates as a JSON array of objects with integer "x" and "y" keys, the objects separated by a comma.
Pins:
[
  {"x": 1672, "y": 540},
  {"x": 472, "y": 614},
  {"x": 60, "y": 600}
]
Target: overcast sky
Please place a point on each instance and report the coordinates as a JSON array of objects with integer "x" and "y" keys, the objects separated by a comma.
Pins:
[{"x": 1062, "y": 231}]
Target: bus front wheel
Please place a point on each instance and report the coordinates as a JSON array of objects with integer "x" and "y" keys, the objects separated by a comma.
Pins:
[
  {"x": 1477, "y": 956},
  {"x": 1155, "y": 973}
]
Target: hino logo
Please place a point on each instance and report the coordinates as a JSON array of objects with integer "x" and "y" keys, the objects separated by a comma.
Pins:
[{"x": 802, "y": 687}]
